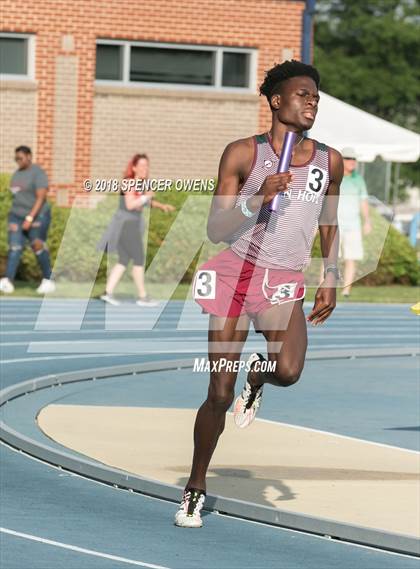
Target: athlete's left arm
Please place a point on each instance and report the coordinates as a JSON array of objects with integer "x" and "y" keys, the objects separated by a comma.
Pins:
[
  {"x": 41, "y": 196},
  {"x": 325, "y": 298}
]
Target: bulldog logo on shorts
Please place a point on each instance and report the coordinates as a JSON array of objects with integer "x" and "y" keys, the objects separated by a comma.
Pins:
[{"x": 283, "y": 292}]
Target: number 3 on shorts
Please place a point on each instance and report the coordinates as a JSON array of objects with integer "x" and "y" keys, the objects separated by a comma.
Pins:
[{"x": 205, "y": 284}]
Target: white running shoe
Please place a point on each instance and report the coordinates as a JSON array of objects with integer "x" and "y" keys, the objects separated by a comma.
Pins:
[
  {"x": 147, "y": 301},
  {"x": 189, "y": 513},
  {"x": 249, "y": 401},
  {"x": 46, "y": 286},
  {"x": 6, "y": 286},
  {"x": 110, "y": 299}
]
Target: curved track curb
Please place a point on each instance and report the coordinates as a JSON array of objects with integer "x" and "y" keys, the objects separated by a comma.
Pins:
[{"x": 237, "y": 508}]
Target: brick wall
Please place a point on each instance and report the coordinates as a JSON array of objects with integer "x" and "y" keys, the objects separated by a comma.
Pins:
[
  {"x": 18, "y": 103},
  {"x": 69, "y": 29},
  {"x": 65, "y": 120},
  {"x": 188, "y": 145}
]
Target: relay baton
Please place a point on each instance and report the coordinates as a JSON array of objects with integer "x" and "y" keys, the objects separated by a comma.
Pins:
[{"x": 284, "y": 163}]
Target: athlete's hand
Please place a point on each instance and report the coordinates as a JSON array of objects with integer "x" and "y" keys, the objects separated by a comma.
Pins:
[
  {"x": 325, "y": 300},
  {"x": 163, "y": 206},
  {"x": 367, "y": 228},
  {"x": 273, "y": 185},
  {"x": 167, "y": 207}
]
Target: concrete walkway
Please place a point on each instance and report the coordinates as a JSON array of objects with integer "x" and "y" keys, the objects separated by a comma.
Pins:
[{"x": 293, "y": 468}]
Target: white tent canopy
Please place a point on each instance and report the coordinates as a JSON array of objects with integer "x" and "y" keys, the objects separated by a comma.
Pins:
[{"x": 339, "y": 124}]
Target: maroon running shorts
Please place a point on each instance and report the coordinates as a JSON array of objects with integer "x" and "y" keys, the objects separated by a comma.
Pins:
[{"x": 228, "y": 285}]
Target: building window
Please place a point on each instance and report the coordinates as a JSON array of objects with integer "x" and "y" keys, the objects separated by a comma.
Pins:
[
  {"x": 109, "y": 62},
  {"x": 176, "y": 66},
  {"x": 157, "y": 65},
  {"x": 235, "y": 69},
  {"x": 16, "y": 56}
]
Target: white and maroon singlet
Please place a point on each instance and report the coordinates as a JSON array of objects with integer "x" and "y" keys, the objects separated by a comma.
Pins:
[{"x": 283, "y": 239}]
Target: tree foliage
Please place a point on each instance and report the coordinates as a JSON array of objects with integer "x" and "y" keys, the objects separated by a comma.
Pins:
[{"x": 368, "y": 54}]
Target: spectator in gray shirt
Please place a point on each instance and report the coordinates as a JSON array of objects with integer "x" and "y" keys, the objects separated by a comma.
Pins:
[{"x": 29, "y": 219}]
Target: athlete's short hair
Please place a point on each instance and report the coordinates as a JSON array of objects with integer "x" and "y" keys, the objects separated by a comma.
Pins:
[
  {"x": 24, "y": 149},
  {"x": 275, "y": 76}
]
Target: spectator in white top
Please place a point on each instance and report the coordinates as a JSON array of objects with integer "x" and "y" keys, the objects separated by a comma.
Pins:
[{"x": 352, "y": 207}]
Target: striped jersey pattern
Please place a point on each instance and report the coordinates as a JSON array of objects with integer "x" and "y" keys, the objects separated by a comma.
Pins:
[{"x": 283, "y": 239}]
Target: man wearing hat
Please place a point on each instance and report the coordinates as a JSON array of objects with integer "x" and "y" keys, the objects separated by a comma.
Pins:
[{"x": 352, "y": 206}]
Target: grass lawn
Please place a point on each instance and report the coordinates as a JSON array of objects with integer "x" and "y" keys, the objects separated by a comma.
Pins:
[{"x": 381, "y": 294}]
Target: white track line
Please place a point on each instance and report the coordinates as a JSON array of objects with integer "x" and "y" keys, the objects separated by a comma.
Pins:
[
  {"x": 39, "y": 331},
  {"x": 83, "y": 320},
  {"x": 84, "y": 331},
  {"x": 176, "y": 351},
  {"x": 215, "y": 513},
  {"x": 323, "y": 537},
  {"x": 321, "y": 344},
  {"x": 393, "y": 309},
  {"x": 4, "y": 300},
  {"x": 200, "y": 350},
  {"x": 74, "y": 356},
  {"x": 171, "y": 310},
  {"x": 338, "y": 436},
  {"x": 144, "y": 325},
  {"x": 81, "y": 549}
]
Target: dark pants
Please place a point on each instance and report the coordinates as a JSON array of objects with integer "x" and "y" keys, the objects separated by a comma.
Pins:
[{"x": 36, "y": 235}]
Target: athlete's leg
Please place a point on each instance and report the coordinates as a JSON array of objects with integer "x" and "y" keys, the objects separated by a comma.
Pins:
[
  {"x": 349, "y": 272},
  {"x": 114, "y": 277},
  {"x": 43, "y": 257},
  {"x": 124, "y": 250},
  {"x": 133, "y": 241},
  {"x": 38, "y": 233},
  {"x": 138, "y": 277},
  {"x": 16, "y": 244},
  {"x": 226, "y": 339},
  {"x": 283, "y": 325}
]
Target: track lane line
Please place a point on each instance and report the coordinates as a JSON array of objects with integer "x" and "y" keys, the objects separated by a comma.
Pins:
[{"x": 80, "y": 549}]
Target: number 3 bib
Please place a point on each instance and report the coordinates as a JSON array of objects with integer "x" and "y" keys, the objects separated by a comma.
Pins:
[
  {"x": 316, "y": 179},
  {"x": 205, "y": 285}
]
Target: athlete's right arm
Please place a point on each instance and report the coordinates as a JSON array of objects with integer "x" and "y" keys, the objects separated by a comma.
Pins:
[
  {"x": 134, "y": 201},
  {"x": 235, "y": 165},
  {"x": 224, "y": 218}
]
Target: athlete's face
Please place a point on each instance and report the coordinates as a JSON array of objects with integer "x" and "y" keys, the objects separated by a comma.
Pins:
[
  {"x": 350, "y": 165},
  {"x": 141, "y": 169},
  {"x": 23, "y": 160},
  {"x": 297, "y": 103}
]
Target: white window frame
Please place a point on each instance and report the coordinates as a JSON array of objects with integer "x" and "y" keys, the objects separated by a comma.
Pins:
[
  {"x": 218, "y": 61},
  {"x": 30, "y": 57}
]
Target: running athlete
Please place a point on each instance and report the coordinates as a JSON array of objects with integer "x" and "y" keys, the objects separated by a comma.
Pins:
[{"x": 259, "y": 277}]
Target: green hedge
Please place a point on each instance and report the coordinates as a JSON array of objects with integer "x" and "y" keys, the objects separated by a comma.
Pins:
[
  {"x": 398, "y": 262},
  {"x": 79, "y": 261},
  {"x": 75, "y": 260},
  {"x": 75, "y": 232}
]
